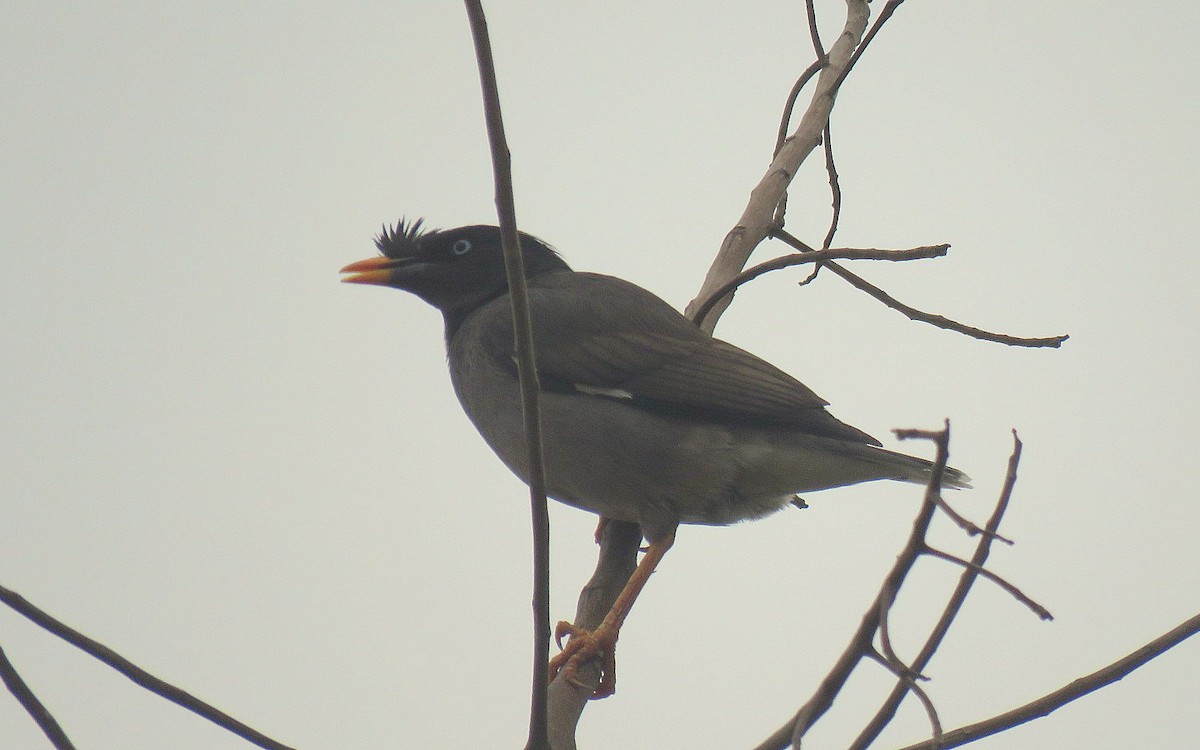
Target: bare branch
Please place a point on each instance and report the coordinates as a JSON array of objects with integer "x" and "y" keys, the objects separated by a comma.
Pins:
[
  {"x": 888, "y": 710},
  {"x": 835, "y": 189},
  {"x": 941, "y": 321},
  {"x": 810, "y": 12},
  {"x": 136, "y": 673},
  {"x": 757, "y": 218},
  {"x": 1015, "y": 592},
  {"x": 886, "y": 653},
  {"x": 1074, "y": 690},
  {"x": 815, "y": 256},
  {"x": 967, "y": 524},
  {"x": 884, "y": 15},
  {"x": 922, "y": 317},
  {"x": 786, "y": 120},
  {"x": 861, "y": 642},
  {"x": 790, "y": 104},
  {"x": 34, "y": 707},
  {"x": 526, "y": 371},
  {"x": 903, "y": 675},
  {"x": 618, "y": 558}
]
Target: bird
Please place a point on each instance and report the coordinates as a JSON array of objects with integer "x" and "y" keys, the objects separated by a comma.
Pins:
[{"x": 645, "y": 417}]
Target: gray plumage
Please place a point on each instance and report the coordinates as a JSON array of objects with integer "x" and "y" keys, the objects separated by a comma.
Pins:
[{"x": 645, "y": 417}]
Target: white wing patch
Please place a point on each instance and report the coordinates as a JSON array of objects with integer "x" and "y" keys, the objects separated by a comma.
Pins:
[{"x": 592, "y": 390}]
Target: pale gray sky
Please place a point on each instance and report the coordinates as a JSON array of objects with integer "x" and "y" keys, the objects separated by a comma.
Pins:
[{"x": 256, "y": 482}]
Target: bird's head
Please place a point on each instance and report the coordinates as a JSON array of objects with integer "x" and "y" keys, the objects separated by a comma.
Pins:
[{"x": 452, "y": 269}]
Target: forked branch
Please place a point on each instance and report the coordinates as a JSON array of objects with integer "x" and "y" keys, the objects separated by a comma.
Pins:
[{"x": 874, "y": 622}]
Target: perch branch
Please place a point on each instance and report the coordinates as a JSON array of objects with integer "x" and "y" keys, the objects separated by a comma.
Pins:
[{"x": 567, "y": 699}]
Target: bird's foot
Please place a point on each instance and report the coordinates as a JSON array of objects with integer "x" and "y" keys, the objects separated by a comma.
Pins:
[{"x": 586, "y": 645}]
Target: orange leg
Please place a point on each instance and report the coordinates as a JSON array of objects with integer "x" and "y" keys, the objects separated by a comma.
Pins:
[
  {"x": 603, "y": 522},
  {"x": 601, "y": 643}
]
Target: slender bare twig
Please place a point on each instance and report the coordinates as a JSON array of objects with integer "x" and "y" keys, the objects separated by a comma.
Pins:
[
  {"x": 941, "y": 321},
  {"x": 885, "y": 650},
  {"x": 883, "y": 17},
  {"x": 1074, "y": 690},
  {"x": 136, "y": 673},
  {"x": 526, "y": 371},
  {"x": 815, "y": 256},
  {"x": 982, "y": 549},
  {"x": 886, "y": 653},
  {"x": 788, "y": 107},
  {"x": 814, "y": 33},
  {"x": 887, "y": 657},
  {"x": 913, "y": 313},
  {"x": 759, "y": 215},
  {"x": 34, "y": 707},
  {"x": 835, "y": 189},
  {"x": 902, "y": 674},
  {"x": 1012, "y": 590},
  {"x": 967, "y": 524},
  {"x": 790, "y": 104}
]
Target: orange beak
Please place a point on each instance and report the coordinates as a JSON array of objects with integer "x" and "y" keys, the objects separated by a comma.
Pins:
[{"x": 376, "y": 271}]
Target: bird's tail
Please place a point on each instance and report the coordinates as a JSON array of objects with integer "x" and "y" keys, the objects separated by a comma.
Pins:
[{"x": 917, "y": 470}]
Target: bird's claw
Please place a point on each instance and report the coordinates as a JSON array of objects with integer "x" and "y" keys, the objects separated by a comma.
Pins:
[
  {"x": 564, "y": 628},
  {"x": 585, "y": 646}
]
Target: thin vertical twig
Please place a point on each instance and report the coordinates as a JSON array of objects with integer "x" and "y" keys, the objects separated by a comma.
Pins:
[
  {"x": 526, "y": 371},
  {"x": 786, "y": 120},
  {"x": 835, "y": 190},
  {"x": 810, "y": 12},
  {"x": 789, "y": 105}
]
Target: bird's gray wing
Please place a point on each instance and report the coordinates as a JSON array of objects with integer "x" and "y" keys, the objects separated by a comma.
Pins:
[{"x": 603, "y": 337}]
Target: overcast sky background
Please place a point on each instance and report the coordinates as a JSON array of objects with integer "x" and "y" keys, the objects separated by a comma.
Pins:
[{"x": 256, "y": 482}]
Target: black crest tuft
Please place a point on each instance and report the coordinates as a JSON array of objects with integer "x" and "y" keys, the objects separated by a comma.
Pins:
[{"x": 404, "y": 241}]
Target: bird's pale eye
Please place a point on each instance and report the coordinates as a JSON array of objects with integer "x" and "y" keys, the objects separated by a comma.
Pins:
[{"x": 461, "y": 247}]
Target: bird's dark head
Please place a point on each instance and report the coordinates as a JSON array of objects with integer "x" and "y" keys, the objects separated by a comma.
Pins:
[{"x": 455, "y": 270}]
